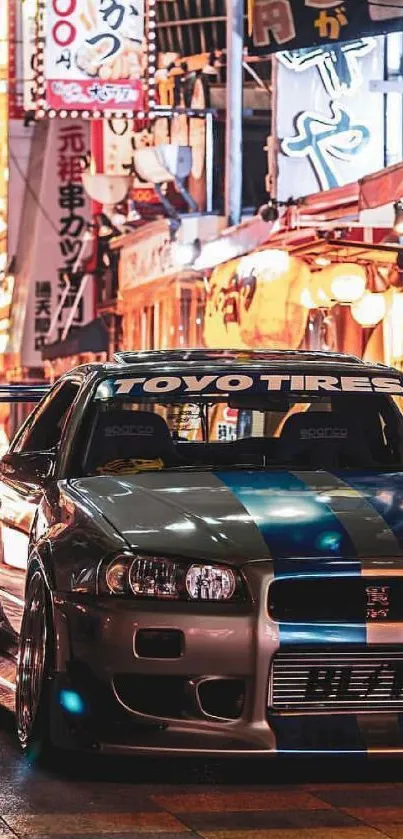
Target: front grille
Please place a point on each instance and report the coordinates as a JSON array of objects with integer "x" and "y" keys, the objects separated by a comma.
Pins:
[
  {"x": 327, "y": 681},
  {"x": 338, "y": 599}
]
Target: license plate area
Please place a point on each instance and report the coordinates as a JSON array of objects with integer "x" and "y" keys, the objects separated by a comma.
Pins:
[{"x": 336, "y": 681}]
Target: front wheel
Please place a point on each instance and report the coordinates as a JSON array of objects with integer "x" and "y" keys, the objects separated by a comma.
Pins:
[{"x": 34, "y": 671}]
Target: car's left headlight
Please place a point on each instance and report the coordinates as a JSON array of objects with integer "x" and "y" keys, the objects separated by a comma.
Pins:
[{"x": 161, "y": 578}]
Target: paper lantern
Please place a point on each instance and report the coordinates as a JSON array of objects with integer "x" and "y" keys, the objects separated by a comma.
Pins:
[
  {"x": 340, "y": 283},
  {"x": 256, "y": 301},
  {"x": 306, "y": 298},
  {"x": 321, "y": 291},
  {"x": 370, "y": 310},
  {"x": 347, "y": 282},
  {"x": 266, "y": 263}
]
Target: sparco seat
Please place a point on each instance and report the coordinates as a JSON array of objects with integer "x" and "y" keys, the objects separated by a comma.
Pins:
[
  {"x": 322, "y": 440},
  {"x": 123, "y": 435}
]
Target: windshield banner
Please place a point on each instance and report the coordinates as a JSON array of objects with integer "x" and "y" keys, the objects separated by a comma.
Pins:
[
  {"x": 292, "y": 24},
  {"x": 196, "y": 385}
]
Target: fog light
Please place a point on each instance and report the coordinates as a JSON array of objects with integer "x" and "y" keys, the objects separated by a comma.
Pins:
[
  {"x": 72, "y": 702},
  {"x": 210, "y": 582}
]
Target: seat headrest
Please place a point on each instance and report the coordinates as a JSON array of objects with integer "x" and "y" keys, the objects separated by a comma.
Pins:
[
  {"x": 323, "y": 439},
  {"x": 129, "y": 434},
  {"x": 324, "y": 426}
]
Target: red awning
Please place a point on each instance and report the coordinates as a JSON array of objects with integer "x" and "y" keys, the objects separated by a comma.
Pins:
[
  {"x": 381, "y": 188},
  {"x": 330, "y": 204},
  {"x": 375, "y": 190}
]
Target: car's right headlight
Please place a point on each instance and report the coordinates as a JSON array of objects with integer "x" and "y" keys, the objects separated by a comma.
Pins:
[{"x": 162, "y": 578}]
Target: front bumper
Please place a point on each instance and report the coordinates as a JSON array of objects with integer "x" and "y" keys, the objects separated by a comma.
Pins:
[{"x": 208, "y": 696}]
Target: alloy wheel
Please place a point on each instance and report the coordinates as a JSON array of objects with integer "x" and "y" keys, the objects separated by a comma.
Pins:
[{"x": 31, "y": 660}]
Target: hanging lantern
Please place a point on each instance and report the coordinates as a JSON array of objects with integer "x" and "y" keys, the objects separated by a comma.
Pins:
[
  {"x": 348, "y": 282},
  {"x": 268, "y": 263},
  {"x": 306, "y": 298},
  {"x": 320, "y": 291},
  {"x": 370, "y": 310}
]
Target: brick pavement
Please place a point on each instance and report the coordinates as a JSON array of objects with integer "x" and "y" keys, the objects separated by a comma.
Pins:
[
  {"x": 320, "y": 811},
  {"x": 173, "y": 800}
]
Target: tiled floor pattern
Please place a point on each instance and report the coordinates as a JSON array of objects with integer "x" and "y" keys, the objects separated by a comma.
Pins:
[{"x": 316, "y": 811}]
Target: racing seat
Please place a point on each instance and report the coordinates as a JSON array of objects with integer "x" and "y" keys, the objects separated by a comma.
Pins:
[
  {"x": 123, "y": 435},
  {"x": 323, "y": 440}
]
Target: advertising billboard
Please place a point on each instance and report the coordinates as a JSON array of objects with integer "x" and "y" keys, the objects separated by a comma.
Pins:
[
  {"x": 91, "y": 56},
  {"x": 55, "y": 217},
  {"x": 329, "y": 125},
  {"x": 292, "y": 24}
]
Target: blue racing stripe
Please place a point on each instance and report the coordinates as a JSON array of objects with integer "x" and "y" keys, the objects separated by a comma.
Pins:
[
  {"x": 384, "y": 491},
  {"x": 293, "y": 519},
  {"x": 305, "y": 538},
  {"x": 337, "y": 733}
]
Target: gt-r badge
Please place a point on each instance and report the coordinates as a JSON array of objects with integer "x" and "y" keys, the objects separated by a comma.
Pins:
[{"x": 378, "y": 602}]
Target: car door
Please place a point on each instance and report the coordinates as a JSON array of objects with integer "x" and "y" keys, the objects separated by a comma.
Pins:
[{"x": 21, "y": 489}]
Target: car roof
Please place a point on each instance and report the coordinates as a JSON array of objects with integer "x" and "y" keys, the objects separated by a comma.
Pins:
[{"x": 133, "y": 362}]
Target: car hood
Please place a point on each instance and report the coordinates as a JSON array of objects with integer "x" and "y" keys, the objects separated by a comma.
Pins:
[{"x": 241, "y": 515}]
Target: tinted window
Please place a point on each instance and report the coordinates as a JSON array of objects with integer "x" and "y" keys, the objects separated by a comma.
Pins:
[
  {"x": 45, "y": 429},
  {"x": 328, "y": 432}
]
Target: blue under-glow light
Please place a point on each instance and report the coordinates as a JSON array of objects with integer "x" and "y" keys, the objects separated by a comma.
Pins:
[
  {"x": 329, "y": 541},
  {"x": 71, "y": 702}
]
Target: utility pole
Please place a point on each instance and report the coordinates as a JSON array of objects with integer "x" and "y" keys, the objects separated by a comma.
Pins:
[{"x": 234, "y": 107}]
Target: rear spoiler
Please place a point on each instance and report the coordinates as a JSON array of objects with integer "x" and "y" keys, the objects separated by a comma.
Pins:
[{"x": 23, "y": 393}]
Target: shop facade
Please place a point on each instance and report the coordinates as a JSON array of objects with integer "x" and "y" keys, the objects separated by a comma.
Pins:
[{"x": 161, "y": 302}]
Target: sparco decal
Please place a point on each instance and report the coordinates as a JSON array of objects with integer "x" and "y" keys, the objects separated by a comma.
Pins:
[
  {"x": 283, "y": 383},
  {"x": 324, "y": 433}
]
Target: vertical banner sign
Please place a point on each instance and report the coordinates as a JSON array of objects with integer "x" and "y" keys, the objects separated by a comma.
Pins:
[
  {"x": 3, "y": 141},
  {"x": 93, "y": 55},
  {"x": 28, "y": 12},
  {"x": 292, "y": 24},
  {"x": 329, "y": 125},
  {"x": 15, "y": 69},
  {"x": 59, "y": 228}
]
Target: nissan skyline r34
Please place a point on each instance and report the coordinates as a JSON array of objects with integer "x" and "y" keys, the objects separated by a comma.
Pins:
[{"x": 202, "y": 553}]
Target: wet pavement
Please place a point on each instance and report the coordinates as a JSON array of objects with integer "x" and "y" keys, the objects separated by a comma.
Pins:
[{"x": 191, "y": 798}]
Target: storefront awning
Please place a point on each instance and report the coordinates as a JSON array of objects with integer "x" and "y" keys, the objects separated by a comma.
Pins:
[
  {"x": 376, "y": 190},
  {"x": 381, "y": 188},
  {"x": 314, "y": 248},
  {"x": 93, "y": 337}
]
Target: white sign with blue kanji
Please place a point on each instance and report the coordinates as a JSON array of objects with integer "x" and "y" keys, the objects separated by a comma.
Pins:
[{"x": 329, "y": 125}]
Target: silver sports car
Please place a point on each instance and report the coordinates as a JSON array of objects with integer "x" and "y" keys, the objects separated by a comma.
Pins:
[{"x": 202, "y": 552}]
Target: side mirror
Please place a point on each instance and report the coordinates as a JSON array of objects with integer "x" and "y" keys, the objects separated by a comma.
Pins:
[{"x": 28, "y": 466}]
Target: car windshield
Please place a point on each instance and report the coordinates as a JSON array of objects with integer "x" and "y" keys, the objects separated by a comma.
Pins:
[{"x": 128, "y": 431}]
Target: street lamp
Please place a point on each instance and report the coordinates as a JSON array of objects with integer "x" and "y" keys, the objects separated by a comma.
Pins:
[{"x": 398, "y": 224}]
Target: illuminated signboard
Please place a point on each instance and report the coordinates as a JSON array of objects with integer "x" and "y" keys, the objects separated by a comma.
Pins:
[
  {"x": 93, "y": 56},
  {"x": 291, "y": 24},
  {"x": 46, "y": 287},
  {"x": 329, "y": 125}
]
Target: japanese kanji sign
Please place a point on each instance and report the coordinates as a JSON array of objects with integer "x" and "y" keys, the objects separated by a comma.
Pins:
[
  {"x": 329, "y": 126},
  {"x": 55, "y": 269},
  {"x": 94, "y": 56},
  {"x": 291, "y": 24}
]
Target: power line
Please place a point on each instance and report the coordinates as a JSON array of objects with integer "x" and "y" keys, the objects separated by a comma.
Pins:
[{"x": 33, "y": 193}]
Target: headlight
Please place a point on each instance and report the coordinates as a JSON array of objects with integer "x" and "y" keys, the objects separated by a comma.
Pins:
[
  {"x": 160, "y": 578},
  {"x": 210, "y": 582}
]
